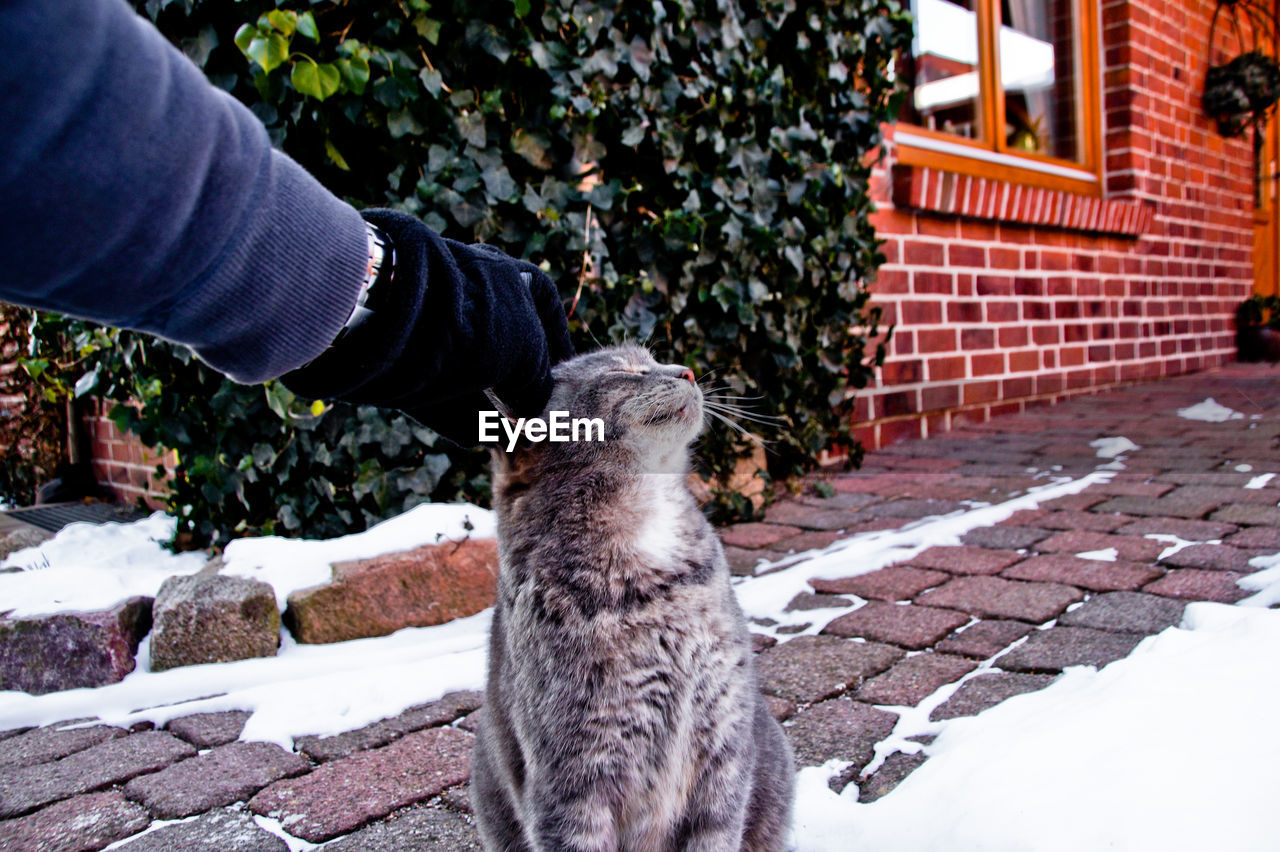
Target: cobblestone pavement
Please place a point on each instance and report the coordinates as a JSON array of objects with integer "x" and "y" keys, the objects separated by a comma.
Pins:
[{"x": 1002, "y": 613}]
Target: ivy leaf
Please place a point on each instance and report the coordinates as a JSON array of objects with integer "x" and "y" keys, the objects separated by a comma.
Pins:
[
  {"x": 498, "y": 183},
  {"x": 355, "y": 73},
  {"x": 428, "y": 28},
  {"x": 314, "y": 79},
  {"x": 284, "y": 21},
  {"x": 533, "y": 147},
  {"x": 335, "y": 156},
  {"x": 431, "y": 81},
  {"x": 268, "y": 50},
  {"x": 470, "y": 126},
  {"x": 86, "y": 383},
  {"x": 307, "y": 26}
]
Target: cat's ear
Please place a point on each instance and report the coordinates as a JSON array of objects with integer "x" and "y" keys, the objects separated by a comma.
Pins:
[{"x": 512, "y": 470}]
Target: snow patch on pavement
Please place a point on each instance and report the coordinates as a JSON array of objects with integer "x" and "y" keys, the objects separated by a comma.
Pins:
[{"x": 1209, "y": 411}]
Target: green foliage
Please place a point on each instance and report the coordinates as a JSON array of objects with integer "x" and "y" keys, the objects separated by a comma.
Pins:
[
  {"x": 32, "y": 424},
  {"x": 693, "y": 173}
]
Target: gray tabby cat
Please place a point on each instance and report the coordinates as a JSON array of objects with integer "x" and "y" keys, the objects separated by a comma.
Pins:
[{"x": 622, "y": 711}]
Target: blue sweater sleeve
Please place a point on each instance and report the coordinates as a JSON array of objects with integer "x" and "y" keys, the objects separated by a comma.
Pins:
[{"x": 135, "y": 193}]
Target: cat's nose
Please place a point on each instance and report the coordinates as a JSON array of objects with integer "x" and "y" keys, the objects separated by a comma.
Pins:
[{"x": 688, "y": 376}]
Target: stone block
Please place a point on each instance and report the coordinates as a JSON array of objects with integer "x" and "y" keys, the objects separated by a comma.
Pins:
[
  {"x": 417, "y": 588},
  {"x": 427, "y": 828},
  {"x": 76, "y": 825},
  {"x": 808, "y": 517},
  {"x": 115, "y": 761},
  {"x": 1097, "y": 521},
  {"x": 895, "y": 583},
  {"x": 806, "y": 601},
  {"x": 914, "y": 679},
  {"x": 218, "y": 777},
  {"x": 988, "y": 690},
  {"x": 1216, "y": 557},
  {"x": 344, "y": 795},
  {"x": 1004, "y": 537},
  {"x": 1181, "y": 527},
  {"x": 838, "y": 729},
  {"x": 1057, "y": 648},
  {"x": 206, "y": 730},
  {"x": 217, "y": 831},
  {"x": 994, "y": 597},
  {"x": 810, "y": 668},
  {"x": 892, "y": 772},
  {"x": 42, "y": 745},
  {"x": 1125, "y": 612},
  {"x": 210, "y": 618},
  {"x": 1128, "y": 547},
  {"x": 1248, "y": 515},
  {"x": 1093, "y": 574},
  {"x": 984, "y": 639},
  {"x": 962, "y": 559},
  {"x": 453, "y": 706},
  {"x": 912, "y": 627},
  {"x": 753, "y": 536},
  {"x": 1194, "y": 584},
  {"x": 48, "y": 653}
]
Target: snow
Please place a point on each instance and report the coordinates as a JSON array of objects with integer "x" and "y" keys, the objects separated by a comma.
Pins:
[
  {"x": 1109, "y": 554},
  {"x": 1109, "y": 448},
  {"x": 1209, "y": 411},
  {"x": 93, "y": 567},
  {"x": 1260, "y": 481},
  {"x": 1146, "y": 753}
]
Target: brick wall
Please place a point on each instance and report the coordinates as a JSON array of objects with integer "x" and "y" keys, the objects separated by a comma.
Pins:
[
  {"x": 122, "y": 464},
  {"x": 1006, "y": 297}
]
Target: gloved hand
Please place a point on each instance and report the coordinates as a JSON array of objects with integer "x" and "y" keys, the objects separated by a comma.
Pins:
[{"x": 454, "y": 320}]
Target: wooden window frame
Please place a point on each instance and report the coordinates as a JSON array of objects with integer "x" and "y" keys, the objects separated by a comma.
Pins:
[{"x": 919, "y": 146}]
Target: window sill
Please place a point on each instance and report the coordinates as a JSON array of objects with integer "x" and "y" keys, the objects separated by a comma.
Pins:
[{"x": 944, "y": 177}]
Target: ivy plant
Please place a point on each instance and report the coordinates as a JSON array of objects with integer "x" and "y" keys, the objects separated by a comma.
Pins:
[{"x": 692, "y": 173}]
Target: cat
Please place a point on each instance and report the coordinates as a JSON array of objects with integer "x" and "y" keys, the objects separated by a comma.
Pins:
[{"x": 622, "y": 710}]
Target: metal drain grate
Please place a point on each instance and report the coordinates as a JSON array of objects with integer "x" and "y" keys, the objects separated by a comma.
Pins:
[{"x": 52, "y": 517}]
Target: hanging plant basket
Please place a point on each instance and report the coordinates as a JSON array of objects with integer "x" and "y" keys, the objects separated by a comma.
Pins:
[{"x": 1242, "y": 92}]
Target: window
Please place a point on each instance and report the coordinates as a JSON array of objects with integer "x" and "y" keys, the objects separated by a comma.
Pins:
[{"x": 1005, "y": 89}]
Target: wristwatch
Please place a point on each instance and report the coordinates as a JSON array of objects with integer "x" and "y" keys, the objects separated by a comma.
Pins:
[{"x": 377, "y": 280}]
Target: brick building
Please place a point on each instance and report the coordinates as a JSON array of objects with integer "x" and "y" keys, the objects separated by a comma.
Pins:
[{"x": 1059, "y": 214}]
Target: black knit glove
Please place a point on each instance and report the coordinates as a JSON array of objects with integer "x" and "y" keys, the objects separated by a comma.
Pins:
[{"x": 454, "y": 320}]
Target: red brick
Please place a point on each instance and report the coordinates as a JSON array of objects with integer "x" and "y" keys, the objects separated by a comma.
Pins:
[
  {"x": 964, "y": 559},
  {"x": 895, "y": 583},
  {"x": 1091, "y": 574},
  {"x": 993, "y": 597},
  {"x": 911, "y": 627}
]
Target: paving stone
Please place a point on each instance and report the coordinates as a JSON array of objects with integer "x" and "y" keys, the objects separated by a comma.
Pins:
[
  {"x": 838, "y": 729},
  {"x": 206, "y": 730},
  {"x": 77, "y": 825},
  {"x": 910, "y": 508},
  {"x": 1075, "y": 502},
  {"x": 744, "y": 562},
  {"x": 211, "y": 618},
  {"x": 1224, "y": 496},
  {"x": 53, "y": 742},
  {"x": 346, "y": 794},
  {"x": 753, "y": 535},
  {"x": 1248, "y": 515},
  {"x": 910, "y": 626},
  {"x": 780, "y": 708},
  {"x": 812, "y": 541},
  {"x": 984, "y": 639},
  {"x": 221, "y": 776},
  {"x": 788, "y": 512},
  {"x": 994, "y": 597},
  {"x": 68, "y": 650},
  {"x": 1199, "y": 585},
  {"x": 1181, "y": 527},
  {"x": 1003, "y": 537},
  {"x": 1128, "y": 547},
  {"x": 806, "y": 601},
  {"x": 760, "y": 641},
  {"x": 112, "y": 762},
  {"x": 427, "y": 829},
  {"x": 810, "y": 668},
  {"x": 892, "y": 772},
  {"x": 1125, "y": 612},
  {"x": 1123, "y": 486},
  {"x": 987, "y": 690},
  {"x": 1093, "y": 574},
  {"x": 1218, "y": 557},
  {"x": 217, "y": 831},
  {"x": 961, "y": 559},
  {"x": 1096, "y": 521},
  {"x": 457, "y": 798},
  {"x": 427, "y": 585},
  {"x": 895, "y": 583},
  {"x": 846, "y": 502},
  {"x": 1257, "y": 538},
  {"x": 453, "y": 706},
  {"x": 914, "y": 679},
  {"x": 1170, "y": 505},
  {"x": 1057, "y": 648}
]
